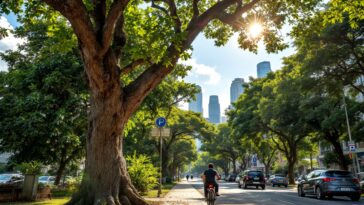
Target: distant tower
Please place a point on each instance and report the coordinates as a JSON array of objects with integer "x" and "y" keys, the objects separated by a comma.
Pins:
[
  {"x": 214, "y": 109},
  {"x": 196, "y": 105},
  {"x": 263, "y": 68},
  {"x": 236, "y": 89}
]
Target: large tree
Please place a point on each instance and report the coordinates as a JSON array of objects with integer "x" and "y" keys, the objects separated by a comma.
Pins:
[
  {"x": 44, "y": 99},
  {"x": 159, "y": 36}
]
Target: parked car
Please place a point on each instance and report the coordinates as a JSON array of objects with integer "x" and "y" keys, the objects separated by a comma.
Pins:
[
  {"x": 251, "y": 178},
  {"x": 278, "y": 179},
  {"x": 329, "y": 183},
  {"x": 231, "y": 178},
  {"x": 362, "y": 185},
  {"x": 11, "y": 179},
  {"x": 46, "y": 179}
]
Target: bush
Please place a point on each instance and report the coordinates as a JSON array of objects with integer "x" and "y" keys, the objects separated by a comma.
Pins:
[
  {"x": 142, "y": 172},
  {"x": 32, "y": 167}
]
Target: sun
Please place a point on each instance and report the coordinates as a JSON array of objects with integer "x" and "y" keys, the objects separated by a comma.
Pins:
[{"x": 255, "y": 30}]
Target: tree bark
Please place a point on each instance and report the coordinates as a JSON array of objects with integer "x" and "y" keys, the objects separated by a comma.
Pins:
[
  {"x": 234, "y": 165},
  {"x": 340, "y": 154},
  {"x": 106, "y": 180},
  {"x": 60, "y": 170}
]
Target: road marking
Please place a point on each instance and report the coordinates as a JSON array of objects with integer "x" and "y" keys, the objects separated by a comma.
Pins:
[{"x": 286, "y": 202}]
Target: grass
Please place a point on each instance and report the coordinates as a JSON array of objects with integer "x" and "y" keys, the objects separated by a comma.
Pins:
[
  {"x": 165, "y": 189},
  {"x": 55, "y": 201}
]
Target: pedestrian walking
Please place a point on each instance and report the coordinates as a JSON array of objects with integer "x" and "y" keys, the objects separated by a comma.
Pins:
[{"x": 188, "y": 176}]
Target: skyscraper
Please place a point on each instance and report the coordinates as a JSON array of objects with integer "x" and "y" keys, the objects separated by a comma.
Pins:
[
  {"x": 236, "y": 89},
  {"x": 263, "y": 68},
  {"x": 214, "y": 109},
  {"x": 196, "y": 105}
]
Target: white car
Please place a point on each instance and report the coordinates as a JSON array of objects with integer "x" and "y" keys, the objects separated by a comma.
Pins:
[{"x": 46, "y": 179}]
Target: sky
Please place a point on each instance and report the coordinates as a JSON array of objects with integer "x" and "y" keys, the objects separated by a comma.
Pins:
[{"x": 213, "y": 68}]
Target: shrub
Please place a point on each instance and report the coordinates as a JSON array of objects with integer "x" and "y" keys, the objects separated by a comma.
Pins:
[
  {"x": 32, "y": 167},
  {"x": 142, "y": 172}
]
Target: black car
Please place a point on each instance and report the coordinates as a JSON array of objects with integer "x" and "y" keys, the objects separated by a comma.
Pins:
[
  {"x": 231, "y": 178},
  {"x": 252, "y": 178},
  {"x": 329, "y": 183}
]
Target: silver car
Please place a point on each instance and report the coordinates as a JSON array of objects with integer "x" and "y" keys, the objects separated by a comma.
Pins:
[
  {"x": 11, "y": 179},
  {"x": 329, "y": 183},
  {"x": 46, "y": 179}
]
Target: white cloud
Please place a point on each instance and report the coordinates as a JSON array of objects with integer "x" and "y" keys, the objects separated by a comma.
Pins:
[
  {"x": 213, "y": 77},
  {"x": 8, "y": 43}
]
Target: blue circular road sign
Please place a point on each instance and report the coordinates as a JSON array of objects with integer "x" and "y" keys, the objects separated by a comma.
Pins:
[{"x": 161, "y": 122}]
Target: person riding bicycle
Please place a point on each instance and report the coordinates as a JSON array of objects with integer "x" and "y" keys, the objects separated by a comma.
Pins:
[{"x": 209, "y": 177}]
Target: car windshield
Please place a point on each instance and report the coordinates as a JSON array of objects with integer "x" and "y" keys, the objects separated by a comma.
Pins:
[
  {"x": 43, "y": 178},
  {"x": 253, "y": 174},
  {"x": 5, "y": 177},
  {"x": 338, "y": 174}
]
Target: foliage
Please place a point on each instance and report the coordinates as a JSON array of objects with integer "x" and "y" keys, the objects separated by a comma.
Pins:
[
  {"x": 43, "y": 97},
  {"x": 142, "y": 172},
  {"x": 32, "y": 167},
  {"x": 332, "y": 158}
]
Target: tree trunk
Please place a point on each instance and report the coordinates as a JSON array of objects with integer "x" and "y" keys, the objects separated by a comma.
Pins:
[
  {"x": 60, "y": 170},
  {"x": 106, "y": 180},
  {"x": 291, "y": 163},
  {"x": 340, "y": 154},
  {"x": 234, "y": 165},
  {"x": 291, "y": 172}
]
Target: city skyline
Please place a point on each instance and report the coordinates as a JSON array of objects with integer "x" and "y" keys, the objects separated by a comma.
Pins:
[
  {"x": 236, "y": 89},
  {"x": 214, "y": 109},
  {"x": 196, "y": 105},
  {"x": 263, "y": 68}
]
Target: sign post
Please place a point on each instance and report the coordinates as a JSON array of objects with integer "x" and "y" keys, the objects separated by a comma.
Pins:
[
  {"x": 160, "y": 122},
  {"x": 351, "y": 143}
]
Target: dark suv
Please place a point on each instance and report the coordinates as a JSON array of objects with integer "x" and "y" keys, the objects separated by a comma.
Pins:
[
  {"x": 329, "y": 183},
  {"x": 252, "y": 178}
]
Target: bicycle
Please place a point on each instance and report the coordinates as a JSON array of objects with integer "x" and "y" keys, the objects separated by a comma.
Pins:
[{"x": 211, "y": 196}]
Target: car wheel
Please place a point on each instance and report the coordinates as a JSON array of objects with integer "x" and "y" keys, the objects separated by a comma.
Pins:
[
  {"x": 257, "y": 187},
  {"x": 279, "y": 185},
  {"x": 273, "y": 185},
  {"x": 263, "y": 187},
  {"x": 286, "y": 186},
  {"x": 319, "y": 194},
  {"x": 300, "y": 191},
  {"x": 355, "y": 197},
  {"x": 330, "y": 196}
]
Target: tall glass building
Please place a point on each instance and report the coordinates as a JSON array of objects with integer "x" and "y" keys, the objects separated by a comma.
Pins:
[
  {"x": 263, "y": 68},
  {"x": 196, "y": 105},
  {"x": 236, "y": 89},
  {"x": 214, "y": 109}
]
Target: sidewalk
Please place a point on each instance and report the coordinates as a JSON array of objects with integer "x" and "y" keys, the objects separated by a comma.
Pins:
[{"x": 181, "y": 194}]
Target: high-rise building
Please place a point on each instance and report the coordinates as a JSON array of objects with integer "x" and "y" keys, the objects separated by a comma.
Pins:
[
  {"x": 214, "y": 109},
  {"x": 196, "y": 105},
  {"x": 263, "y": 68},
  {"x": 236, "y": 89}
]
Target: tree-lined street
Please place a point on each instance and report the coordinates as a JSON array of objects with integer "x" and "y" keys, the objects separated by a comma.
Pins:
[{"x": 231, "y": 194}]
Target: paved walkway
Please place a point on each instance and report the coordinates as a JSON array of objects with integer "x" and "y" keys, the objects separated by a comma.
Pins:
[{"x": 181, "y": 194}]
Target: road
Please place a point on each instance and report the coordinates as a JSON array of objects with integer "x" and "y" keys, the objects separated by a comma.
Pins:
[{"x": 231, "y": 194}]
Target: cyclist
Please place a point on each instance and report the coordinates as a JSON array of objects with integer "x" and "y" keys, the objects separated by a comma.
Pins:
[{"x": 209, "y": 177}]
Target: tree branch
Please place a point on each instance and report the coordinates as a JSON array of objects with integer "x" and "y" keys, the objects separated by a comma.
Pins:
[
  {"x": 174, "y": 15},
  {"x": 232, "y": 19},
  {"x": 130, "y": 67},
  {"x": 77, "y": 14},
  {"x": 156, "y": 6},
  {"x": 116, "y": 10},
  {"x": 99, "y": 14},
  {"x": 196, "y": 12}
]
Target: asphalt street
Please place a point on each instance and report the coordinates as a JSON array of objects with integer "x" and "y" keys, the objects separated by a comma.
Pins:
[{"x": 231, "y": 194}]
